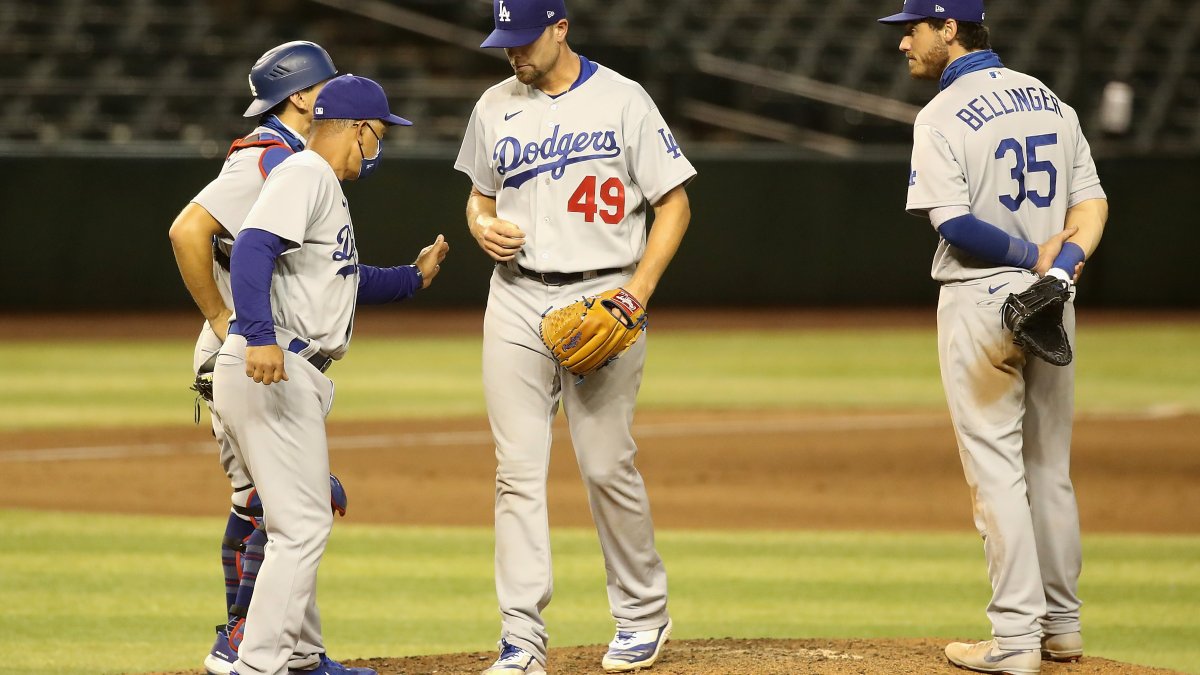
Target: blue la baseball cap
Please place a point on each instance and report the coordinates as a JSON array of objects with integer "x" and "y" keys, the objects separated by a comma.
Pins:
[
  {"x": 520, "y": 22},
  {"x": 959, "y": 10},
  {"x": 350, "y": 97}
]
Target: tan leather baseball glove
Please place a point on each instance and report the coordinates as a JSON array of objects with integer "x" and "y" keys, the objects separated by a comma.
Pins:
[{"x": 588, "y": 334}]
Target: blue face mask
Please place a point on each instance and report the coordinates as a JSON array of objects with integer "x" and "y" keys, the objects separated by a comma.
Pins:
[{"x": 369, "y": 164}]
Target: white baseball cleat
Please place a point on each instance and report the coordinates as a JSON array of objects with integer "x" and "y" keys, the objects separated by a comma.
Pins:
[
  {"x": 514, "y": 661},
  {"x": 635, "y": 650},
  {"x": 986, "y": 657},
  {"x": 1063, "y": 647}
]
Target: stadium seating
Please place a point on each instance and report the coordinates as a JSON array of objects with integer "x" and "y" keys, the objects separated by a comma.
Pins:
[{"x": 105, "y": 76}]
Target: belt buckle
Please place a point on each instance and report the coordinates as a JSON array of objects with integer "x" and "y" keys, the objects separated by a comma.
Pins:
[{"x": 552, "y": 278}]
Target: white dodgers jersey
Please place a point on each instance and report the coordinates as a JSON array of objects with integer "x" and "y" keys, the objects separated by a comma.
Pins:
[
  {"x": 1000, "y": 143},
  {"x": 315, "y": 284},
  {"x": 575, "y": 172}
]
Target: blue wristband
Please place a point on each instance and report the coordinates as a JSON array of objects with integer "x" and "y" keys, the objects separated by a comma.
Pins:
[{"x": 1070, "y": 256}]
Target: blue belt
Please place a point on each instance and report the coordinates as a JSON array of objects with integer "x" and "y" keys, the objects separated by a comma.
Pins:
[{"x": 318, "y": 360}]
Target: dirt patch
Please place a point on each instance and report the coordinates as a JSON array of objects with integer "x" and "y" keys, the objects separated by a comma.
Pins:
[
  {"x": 750, "y": 657},
  {"x": 877, "y": 471}
]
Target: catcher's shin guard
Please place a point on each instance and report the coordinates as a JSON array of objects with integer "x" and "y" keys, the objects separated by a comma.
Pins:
[
  {"x": 251, "y": 560},
  {"x": 236, "y": 531}
]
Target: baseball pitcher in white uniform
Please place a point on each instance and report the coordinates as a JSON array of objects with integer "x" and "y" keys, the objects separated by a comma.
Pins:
[
  {"x": 296, "y": 279},
  {"x": 1001, "y": 168},
  {"x": 566, "y": 158},
  {"x": 284, "y": 83}
]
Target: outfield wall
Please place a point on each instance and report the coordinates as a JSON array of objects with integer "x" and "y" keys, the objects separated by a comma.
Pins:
[{"x": 92, "y": 233}]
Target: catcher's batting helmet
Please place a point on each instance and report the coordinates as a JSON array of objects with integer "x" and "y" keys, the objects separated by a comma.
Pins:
[{"x": 285, "y": 70}]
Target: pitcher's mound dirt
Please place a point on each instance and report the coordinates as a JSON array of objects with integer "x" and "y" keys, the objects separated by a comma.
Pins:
[{"x": 752, "y": 657}]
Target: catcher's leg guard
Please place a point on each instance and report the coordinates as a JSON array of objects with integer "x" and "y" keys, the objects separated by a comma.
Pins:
[
  {"x": 251, "y": 560},
  {"x": 237, "y": 530}
]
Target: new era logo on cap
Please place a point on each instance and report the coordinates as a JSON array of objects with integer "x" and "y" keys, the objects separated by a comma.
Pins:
[{"x": 939, "y": 9}]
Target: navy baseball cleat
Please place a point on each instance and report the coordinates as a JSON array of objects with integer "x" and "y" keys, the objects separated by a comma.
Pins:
[
  {"x": 223, "y": 655},
  {"x": 514, "y": 661},
  {"x": 635, "y": 650},
  {"x": 328, "y": 666}
]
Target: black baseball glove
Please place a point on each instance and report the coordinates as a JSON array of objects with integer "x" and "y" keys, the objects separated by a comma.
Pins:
[
  {"x": 1035, "y": 317},
  {"x": 203, "y": 386}
]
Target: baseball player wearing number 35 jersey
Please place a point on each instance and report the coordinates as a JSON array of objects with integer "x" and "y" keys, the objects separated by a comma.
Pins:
[
  {"x": 1002, "y": 170},
  {"x": 565, "y": 159}
]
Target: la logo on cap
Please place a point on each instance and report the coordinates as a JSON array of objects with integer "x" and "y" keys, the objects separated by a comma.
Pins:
[{"x": 504, "y": 14}]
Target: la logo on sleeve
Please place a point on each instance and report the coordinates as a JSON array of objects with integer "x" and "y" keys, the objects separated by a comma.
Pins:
[{"x": 669, "y": 141}]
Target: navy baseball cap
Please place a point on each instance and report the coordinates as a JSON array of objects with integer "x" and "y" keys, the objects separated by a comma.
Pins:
[
  {"x": 959, "y": 10},
  {"x": 350, "y": 97},
  {"x": 520, "y": 22}
]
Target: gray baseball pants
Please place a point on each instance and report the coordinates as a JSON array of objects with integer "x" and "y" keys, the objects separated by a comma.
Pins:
[
  {"x": 1012, "y": 416},
  {"x": 523, "y": 387},
  {"x": 280, "y": 431}
]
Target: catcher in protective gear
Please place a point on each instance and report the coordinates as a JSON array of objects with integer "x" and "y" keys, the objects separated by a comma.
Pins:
[
  {"x": 1035, "y": 317},
  {"x": 588, "y": 334}
]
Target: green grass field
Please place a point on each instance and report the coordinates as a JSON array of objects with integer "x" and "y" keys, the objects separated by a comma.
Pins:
[
  {"x": 117, "y": 594},
  {"x": 123, "y": 383}
]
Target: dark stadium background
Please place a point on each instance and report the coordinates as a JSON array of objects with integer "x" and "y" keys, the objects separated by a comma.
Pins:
[{"x": 797, "y": 114}]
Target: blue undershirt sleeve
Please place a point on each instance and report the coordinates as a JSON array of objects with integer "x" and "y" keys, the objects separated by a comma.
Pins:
[
  {"x": 250, "y": 268},
  {"x": 379, "y": 285},
  {"x": 988, "y": 242}
]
